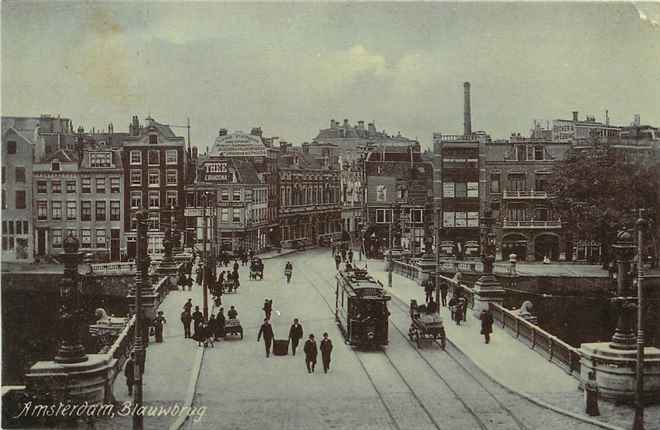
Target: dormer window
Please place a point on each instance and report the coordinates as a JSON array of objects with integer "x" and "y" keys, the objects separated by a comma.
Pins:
[
  {"x": 153, "y": 139},
  {"x": 55, "y": 165},
  {"x": 100, "y": 159}
]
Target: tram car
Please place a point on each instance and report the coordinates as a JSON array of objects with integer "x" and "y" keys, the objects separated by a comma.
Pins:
[{"x": 361, "y": 309}]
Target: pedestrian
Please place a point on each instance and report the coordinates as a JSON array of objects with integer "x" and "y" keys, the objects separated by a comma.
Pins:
[
  {"x": 463, "y": 304},
  {"x": 220, "y": 326},
  {"x": 209, "y": 334},
  {"x": 458, "y": 314},
  {"x": 232, "y": 314},
  {"x": 343, "y": 254},
  {"x": 486, "y": 318},
  {"x": 188, "y": 306},
  {"x": 288, "y": 271},
  {"x": 432, "y": 306},
  {"x": 428, "y": 289},
  {"x": 129, "y": 372},
  {"x": 268, "y": 308},
  {"x": 295, "y": 334},
  {"x": 197, "y": 318},
  {"x": 333, "y": 248},
  {"x": 349, "y": 255},
  {"x": 443, "y": 293},
  {"x": 236, "y": 266},
  {"x": 251, "y": 254},
  {"x": 199, "y": 272},
  {"x": 337, "y": 261},
  {"x": 267, "y": 332},
  {"x": 186, "y": 319},
  {"x": 158, "y": 323},
  {"x": 326, "y": 349},
  {"x": 310, "y": 353},
  {"x": 200, "y": 334},
  {"x": 452, "y": 306}
]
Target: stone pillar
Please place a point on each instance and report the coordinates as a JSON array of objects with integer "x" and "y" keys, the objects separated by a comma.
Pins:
[
  {"x": 487, "y": 289},
  {"x": 624, "y": 250}
]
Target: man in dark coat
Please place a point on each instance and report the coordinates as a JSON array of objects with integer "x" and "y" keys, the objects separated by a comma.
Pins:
[
  {"x": 220, "y": 324},
  {"x": 349, "y": 255},
  {"x": 428, "y": 289},
  {"x": 295, "y": 334},
  {"x": 268, "y": 308},
  {"x": 158, "y": 323},
  {"x": 337, "y": 261},
  {"x": 443, "y": 292},
  {"x": 310, "y": 353},
  {"x": 486, "y": 318},
  {"x": 326, "y": 349},
  {"x": 236, "y": 266},
  {"x": 186, "y": 319},
  {"x": 267, "y": 332},
  {"x": 197, "y": 317},
  {"x": 129, "y": 372},
  {"x": 188, "y": 306}
]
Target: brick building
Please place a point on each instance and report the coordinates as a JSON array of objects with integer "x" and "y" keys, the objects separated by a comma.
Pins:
[{"x": 156, "y": 165}]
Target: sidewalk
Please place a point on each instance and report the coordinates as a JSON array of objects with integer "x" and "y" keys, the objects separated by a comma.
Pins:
[
  {"x": 512, "y": 363},
  {"x": 168, "y": 366},
  {"x": 284, "y": 251}
]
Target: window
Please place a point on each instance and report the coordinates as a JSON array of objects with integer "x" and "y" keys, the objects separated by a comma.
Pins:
[
  {"x": 100, "y": 159},
  {"x": 520, "y": 153},
  {"x": 72, "y": 232},
  {"x": 19, "y": 227},
  {"x": 383, "y": 216},
  {"x": 538, "y": 153},
  {"x": 56, "y": 187},
  {"x": 171, "y": 177},
  {"x": 154, "y": 178},
  {"x": 448, "y": 219},
  {"x": 154, "y": 157},
  {"x": 381, "y": 194},
  {"x": 495, "y": 183},
  {"x": 225, "y": 215},
  {"x": 57, "y": 238},
  {"x": 114, "y": 185},
  {"x": 473, "y": 189},
  {"x": 100, "y": 211},
  {"x": 136, "y": 177},
  {"x": 461, "y": 219},
  {"x": 20, "y": 174},
  {"x": 42, "y": 187},
  {"x": 541, "y": 183},
  {"x": 136, "y": 199},
  {"x": 11, "y": 147},
  {"x": 172, "y": 200},
  {"x": 225, "y": 195},
  {"x": 236, "y": 215},
  {"x": 71, "y": 209},
  {"x": 4, "y": 243},
  {"x": 99, "y": 184},
  {"x": 85, "y": 210},
  {"x": 71, "y": 187},
  {"x": 136, "y": 157},
  {"x": 115, "y": 210},
  {"x": 153, "y": 139},
  {"x": 460, "y": 190},
  {"x": 473, "y": 219},
  {"x": 541, "y": 214},
  {"x": 153, "y": 221},
  {"x": 20, "y": 200},
  {"x": 26, "y": 229},
  {"x": 86, "y": 238},
  {"x": 11, "y": 242},
  {"x": 56, "y": 210},
  {"x": 86, "y": 185},
  {"x": 42, "y": 209},
  {"x": 402, "y": 192},
  {"x": 448, "y": 189},
  {"x": 55, "y": 165},
  {"x": 517, "y": 182},
  {"x": 100, "y": 238},
  {"x": 4, "y": 174},
  {"x": 11, "y": 227},
  {"x": 154, "y": 199},
  {"x": 4, "y": 227},
  {"x": 237, "y": 195},
  {"x": 417, "y": 215},
  {"x": 171, "y": 156},
  {"x": 4, "y": 200}
]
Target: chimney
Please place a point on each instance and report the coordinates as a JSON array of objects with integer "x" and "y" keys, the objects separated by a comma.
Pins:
[
  {"x": 467, "y": 115},
  {"x": 575, "y": 115},
  {"x": 333, "y": 124},
  {"x": 372, "y": 127},
  {"x": 305, "y": 147},
  {"x": 222, "y": 132},
  {"x": 195, "y": 153},
  {"x": 360, "y": 125},
  {"x": 111, "y": 128},
  {"x": 135, "y": 126},
  {"x": 345, "y": 123},
  {"x": 256, "y": 131},
  {"x": 607, "y": 117}
]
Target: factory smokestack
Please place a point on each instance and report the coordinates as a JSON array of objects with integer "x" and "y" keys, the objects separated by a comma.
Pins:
[{"x": 467, "y": 116}]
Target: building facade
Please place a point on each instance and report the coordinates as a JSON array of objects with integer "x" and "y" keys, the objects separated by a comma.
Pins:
[
  {"x": 228, "y": 206},
  {"x": 80, "y": 194},
  {"x": 155, "y": 164},
  {"x": 17, "y": 220}
]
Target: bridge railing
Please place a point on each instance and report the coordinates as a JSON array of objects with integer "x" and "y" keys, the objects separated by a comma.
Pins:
[
  {"x": 410, "y": 271},
  {"x": 549, "y": 346},
  {"x": 461, "y": 266},
  {"x": 124, "y": 267}
]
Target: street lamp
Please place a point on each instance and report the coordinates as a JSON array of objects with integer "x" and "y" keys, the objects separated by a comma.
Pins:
[
  {"x": 638, "y": 423},
  {"x": 140, "y": 325},
  {"x": 205, "y": 273}
]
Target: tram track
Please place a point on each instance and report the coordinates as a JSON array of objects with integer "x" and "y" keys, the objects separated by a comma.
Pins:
[
  {"x": 400, "y": 305},
  {"x": 381, "y": 395}
]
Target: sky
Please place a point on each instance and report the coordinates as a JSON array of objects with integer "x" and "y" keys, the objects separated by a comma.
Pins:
[{"x": 291, "y": 67}]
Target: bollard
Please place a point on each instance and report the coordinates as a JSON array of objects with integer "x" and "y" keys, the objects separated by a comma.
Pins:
[{"x": 591, "y": 395}]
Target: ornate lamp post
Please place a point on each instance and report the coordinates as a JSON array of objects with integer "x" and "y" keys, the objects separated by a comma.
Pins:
[
  {"x": 70, "y": 349},
  {"x": 624, "y": 251},
  {"x": 142, "y": 261},
  {"x": 638, "y": 424},
  {"x": 205, "y": 272},
  {"x": 488, "y": 246},
  {"x": 487, "y": 289}
]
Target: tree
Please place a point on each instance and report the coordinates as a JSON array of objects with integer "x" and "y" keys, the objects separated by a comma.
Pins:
[{"x": 597, "y": 191}]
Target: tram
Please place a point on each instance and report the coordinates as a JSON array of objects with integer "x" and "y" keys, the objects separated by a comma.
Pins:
[{"x": 361, "y": 308}]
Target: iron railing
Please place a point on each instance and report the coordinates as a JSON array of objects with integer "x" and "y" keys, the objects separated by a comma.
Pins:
[{"x": 549, "y": 346}]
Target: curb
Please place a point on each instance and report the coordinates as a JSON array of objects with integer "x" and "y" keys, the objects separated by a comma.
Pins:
[
  {"x": 527, "y": 396},
  {"x": 192, "y": 387}
]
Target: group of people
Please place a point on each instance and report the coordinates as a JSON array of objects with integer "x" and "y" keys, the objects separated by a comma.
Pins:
[
  {"x": 295, "y": 334},
  {"x": 341, "y": 254},
  {"x": 205, "y": 332}
]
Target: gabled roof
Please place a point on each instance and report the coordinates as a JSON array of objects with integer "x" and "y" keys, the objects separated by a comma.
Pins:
[
  {"x": 62, "y": 155},
  {"x": 11, "y": 129}
]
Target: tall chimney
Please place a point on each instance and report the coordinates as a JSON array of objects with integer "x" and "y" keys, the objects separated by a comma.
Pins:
[
  {"x": 575, "y": 115},
  {"x": 467, "y": 116}
]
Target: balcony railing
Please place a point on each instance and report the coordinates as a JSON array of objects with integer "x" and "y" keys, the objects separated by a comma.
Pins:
[
  {"x": 531, "y": 224},
  {"x": 126, "y": 267},
  {"x": 525, "y": 195},
  {"x": 551, "y": 347}
]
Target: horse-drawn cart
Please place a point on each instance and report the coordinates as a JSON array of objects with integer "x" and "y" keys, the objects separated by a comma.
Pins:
[
  {"x": 233, "y": 327},
  {"x": 425, "y": 326}
]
